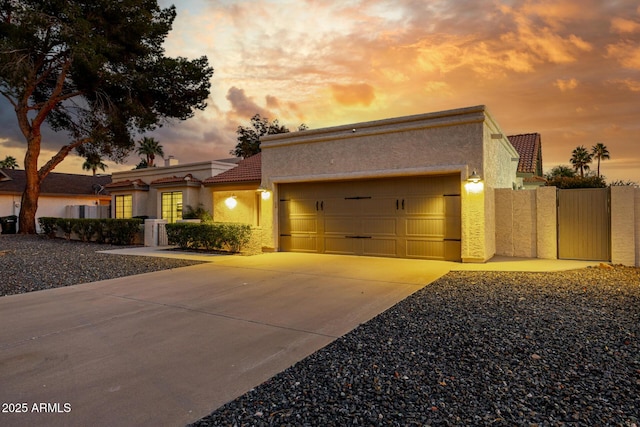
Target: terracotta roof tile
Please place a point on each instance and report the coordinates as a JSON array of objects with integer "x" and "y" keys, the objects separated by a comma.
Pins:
[
  {"x": 175, "y": 179},
  {"x": 56, "y": 183},
  {"x": 249, "y": 169},
  {"x": 529, "y": 148},
  {"x": 128, "y": 183}
]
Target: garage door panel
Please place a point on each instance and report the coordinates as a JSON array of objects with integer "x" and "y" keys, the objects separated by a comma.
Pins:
[
  {"x": 341, "y": 225},
  {"x": 428, "y": 205},
  {"x": 303, "y": 225},
  {"x": 304, "y": 243},
  {"x": 379, "y": 226},
  {"x": 340, "y": 245},
  {"x": 430, "y": 249},
  {"x": 426, "y": 227},
  {"x": 380, "y": 247}
]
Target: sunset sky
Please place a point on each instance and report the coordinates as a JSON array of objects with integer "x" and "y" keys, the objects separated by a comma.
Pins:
[{"x": 567, "y": 69}]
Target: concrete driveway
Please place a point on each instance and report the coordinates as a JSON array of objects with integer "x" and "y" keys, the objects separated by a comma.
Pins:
[{"x": 167, "y": 348}]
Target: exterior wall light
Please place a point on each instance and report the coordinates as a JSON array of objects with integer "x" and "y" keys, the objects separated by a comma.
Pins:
[
  {"x": 474, "y": 177},
  {"x": 474, "y": 183},
  {"x": 231, "y": 202},
  {"x": 264, "y": 193}
]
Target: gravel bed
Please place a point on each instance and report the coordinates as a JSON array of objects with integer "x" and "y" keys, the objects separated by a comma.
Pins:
[
  {"x": 33, "y": 263},
  {"x": 473, "y": 348}
]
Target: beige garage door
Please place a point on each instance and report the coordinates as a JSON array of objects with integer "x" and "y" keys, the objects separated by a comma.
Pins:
[{"x": 417, "y": 217}]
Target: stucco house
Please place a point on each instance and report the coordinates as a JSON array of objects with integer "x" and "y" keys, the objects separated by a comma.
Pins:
[
  {"x": 418, "y": 187},
  {"x": 62, "y": 195}
]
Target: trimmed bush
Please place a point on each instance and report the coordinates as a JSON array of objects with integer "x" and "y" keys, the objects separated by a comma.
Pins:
[
  {"x": 222, "y": 236},
  {"x": 105, "y": 230}
]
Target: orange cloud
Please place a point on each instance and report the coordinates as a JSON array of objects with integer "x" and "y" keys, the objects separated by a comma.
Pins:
[
  {"x": 353, "y": 94},
  {"x": 624, "y": 26},
  {"x": 565, "y": 85},
  {"x": 626, "y": 53}
]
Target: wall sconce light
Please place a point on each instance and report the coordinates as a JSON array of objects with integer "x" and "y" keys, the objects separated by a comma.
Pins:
[
  {"x": 474, "y": 177},
  {"x": 264, "y": 193},
  {"x": 231, "y": 201},
  {"x": 474, "y": 183}
]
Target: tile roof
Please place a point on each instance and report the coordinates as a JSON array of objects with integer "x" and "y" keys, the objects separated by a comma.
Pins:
[
  {"x": 55, "y": 183},
  {"x": 529, "y": 147},
  {"x": 248, "y": 170},
  {"x": 175, "y": 179},
  {"x": 136, "y": 183}
]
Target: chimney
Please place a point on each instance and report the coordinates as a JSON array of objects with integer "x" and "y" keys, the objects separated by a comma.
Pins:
[{"x": 170, "y": 161}]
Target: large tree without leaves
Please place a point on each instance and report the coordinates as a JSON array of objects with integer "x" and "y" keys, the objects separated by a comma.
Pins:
[{"x": 96, "y": 70}]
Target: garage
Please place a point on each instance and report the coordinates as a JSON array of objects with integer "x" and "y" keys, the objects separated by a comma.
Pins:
[{"x": 408, "y": 217}]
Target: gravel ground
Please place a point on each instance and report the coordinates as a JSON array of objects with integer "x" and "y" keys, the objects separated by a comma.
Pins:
[
  {"x": 473, "y": 348},
  {"x": 33, "y": 263}
]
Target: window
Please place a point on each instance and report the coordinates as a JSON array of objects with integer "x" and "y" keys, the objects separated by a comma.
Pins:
[
  {"x": 172, "y": 206},
  {"x": 124, "y": 206}
]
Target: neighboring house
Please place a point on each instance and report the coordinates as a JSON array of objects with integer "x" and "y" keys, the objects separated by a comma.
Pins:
[
  {"x": 529, "y": 147},
  {"x": 61, "y": 194}
]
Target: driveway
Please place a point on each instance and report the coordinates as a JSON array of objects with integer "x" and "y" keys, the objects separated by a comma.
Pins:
[{"x": 167, "y": 348}]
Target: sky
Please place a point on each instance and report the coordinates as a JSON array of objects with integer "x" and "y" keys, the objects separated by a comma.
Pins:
[{"x": 567, "y": 69}]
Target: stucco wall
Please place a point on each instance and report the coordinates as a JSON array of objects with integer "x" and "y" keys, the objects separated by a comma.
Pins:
[
  {"x": 430, "y": 143},
  {"x": 199, "y": 170},
  {"x": 516, "y": 219},
  {"x": 637, "y": 227},
  {"x": 547, "y": 223},
  {"x": 623, "y": 225}
]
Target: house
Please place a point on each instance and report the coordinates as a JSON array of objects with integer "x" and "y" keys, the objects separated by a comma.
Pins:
[
  {"x": 529, "y": 147},
  {"x": 163, "y": 192},
  {"x": 61, "y": 194},
  {"x": 417, "y": 187}
]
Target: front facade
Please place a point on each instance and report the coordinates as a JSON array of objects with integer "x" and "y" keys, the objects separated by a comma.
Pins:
[{"x": 397, "y": 187}]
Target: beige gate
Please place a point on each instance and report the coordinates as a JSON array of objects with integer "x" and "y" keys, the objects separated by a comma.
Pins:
[{"x": 584, "y": 224}]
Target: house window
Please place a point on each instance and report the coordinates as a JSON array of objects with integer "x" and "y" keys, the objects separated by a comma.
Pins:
[
  {"x": 172, "y": 206},
  {"x": 124, "y": 206}
]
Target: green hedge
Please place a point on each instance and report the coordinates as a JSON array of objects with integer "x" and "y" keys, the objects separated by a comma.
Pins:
[
  {"x": 210, "y": 236},
  {"x": 105, "y": 230}
]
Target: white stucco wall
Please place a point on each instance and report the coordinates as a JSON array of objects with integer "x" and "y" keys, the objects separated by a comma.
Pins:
[{"x": 623, "y": 225}]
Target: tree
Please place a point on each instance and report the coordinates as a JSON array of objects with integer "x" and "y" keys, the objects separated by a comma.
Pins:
[
  {"x": 600, "y": 152},
  {"x": 580, "y": 159},
  {"x": 560, "y": 171},
  {"x": 9, "y": 162},
  {"x": 249, "y": 136},
  {"x": 149, "y": 148},
  {"x": 95, "y": 70},
  {"x": 93, "y": 162}
]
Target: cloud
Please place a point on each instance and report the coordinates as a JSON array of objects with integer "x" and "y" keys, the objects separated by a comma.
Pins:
[
  {"x": 624, "y": 26},
  {"x": 242, "y": 106},
  {"x": 353, "y": 94},
  {"x": 630, "y": 84},
  {"x": 565, "y": 85},
  {"x": 626, "y": 53}
]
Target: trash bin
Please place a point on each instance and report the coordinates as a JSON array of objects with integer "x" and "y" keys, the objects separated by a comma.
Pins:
[{"x": 9, "y": 224}]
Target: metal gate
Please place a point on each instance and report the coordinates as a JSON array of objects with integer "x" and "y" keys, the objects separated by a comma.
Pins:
[{"x": 584, "y": 224}]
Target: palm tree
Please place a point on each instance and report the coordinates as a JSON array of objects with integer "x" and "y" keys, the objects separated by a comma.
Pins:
[
  {"x": 93, "y": 162},
  {"x": 149, "y": 147},
  {"x": 600, "y": 152},
  {"x": 580, "y": 159},
  {"x": 9, "y": 162}
]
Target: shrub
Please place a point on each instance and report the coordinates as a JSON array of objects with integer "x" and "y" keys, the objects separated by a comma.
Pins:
[
  {"x": 198, "y": 213},
  {"x": 577, "y": 182},
  {"x": 217, "y": 235},
  {"x": 107, "y": 230},
  {"x": 48, "y": 225}
]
